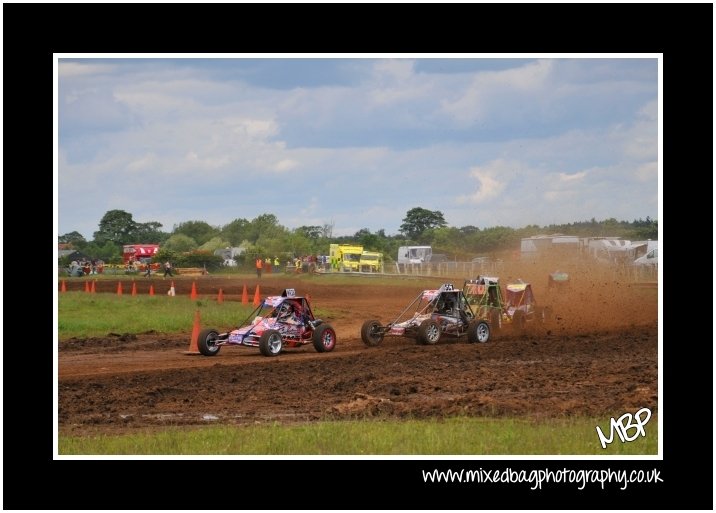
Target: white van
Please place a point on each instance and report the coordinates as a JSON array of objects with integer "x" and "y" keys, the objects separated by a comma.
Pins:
[
  {"x": 651, "y": 258},
  {"x": 414, "y": 254}
]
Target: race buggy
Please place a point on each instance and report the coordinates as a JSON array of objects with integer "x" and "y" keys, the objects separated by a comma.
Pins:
[
  {"x": 516, "y": 307},
  {"x": 279, "y": 321},
  {"x": 430, "y": 315}
]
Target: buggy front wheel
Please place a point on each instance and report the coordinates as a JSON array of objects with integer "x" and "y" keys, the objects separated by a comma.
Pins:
[
  {"x": 207, "y": 342},
  {"x": 370, "y": 333},
  {"x": 270, "y": 343},
  {"x": 478, "y": 331},
  {"x": 324, "y": 338},
  {"x": 429, "y": 332}
]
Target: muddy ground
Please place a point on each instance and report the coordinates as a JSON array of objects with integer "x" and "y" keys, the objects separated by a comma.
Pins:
[{"x": 599, "y": 358}]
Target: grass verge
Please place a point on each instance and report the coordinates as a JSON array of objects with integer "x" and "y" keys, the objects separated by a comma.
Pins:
[{"x": 452, "y": 436}]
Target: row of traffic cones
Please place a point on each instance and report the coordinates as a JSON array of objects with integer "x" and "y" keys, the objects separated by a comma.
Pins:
[{"x": 172, "y": 291}]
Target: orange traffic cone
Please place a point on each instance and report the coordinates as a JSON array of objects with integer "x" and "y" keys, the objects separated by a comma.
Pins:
[
  {"x": 119, "y": 288},
  {"x": 151, "y": 289},
  {"x": 193, "y": 290},
  {"x": 220, "y": 297},
  {"x": 134, "y": 288},
  {"x": 257, "y": 297},
  {"x": 171, "y": 291},
  {"x": 87, "y": 287},
  {"x": 245, "y": 296},
  {"x": 63, "y": 286},
  {"x": 93, "y": 289},
  {"x": 194, "y": 342}
]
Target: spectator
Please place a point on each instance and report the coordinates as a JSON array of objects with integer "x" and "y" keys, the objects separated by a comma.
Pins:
[
  {"x": 167, "y": 269},
  {"x": 149, "y": 269},
  {"x": 259, "y": 266}
]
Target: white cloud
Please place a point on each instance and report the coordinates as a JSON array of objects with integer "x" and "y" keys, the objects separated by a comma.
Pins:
[
  {"x": 206, "y": 163},
  {"x": 146, "y": 162},
  {"x": 650, "y": 111},
  {"x": 489, "y": 185},
  {"x": 557, "y": 196},
  {"x": 285, "y": 165},
  {"x": 574, "y": 177},
  {"x": 254, "y": 128},
  {"x": 310, "y": 209},
  {"x": 78, "y": 69},
  {"x": 487, "y": 91},
  {"x": 647, "y": 172},
  {"x": 393, "y": 70}
]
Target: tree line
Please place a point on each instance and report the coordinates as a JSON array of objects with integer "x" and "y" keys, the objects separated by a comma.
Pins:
[{"x": 266, "y": 237}]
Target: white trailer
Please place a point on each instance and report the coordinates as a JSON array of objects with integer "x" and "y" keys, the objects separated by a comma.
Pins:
[{"x": 414, "y": 254}]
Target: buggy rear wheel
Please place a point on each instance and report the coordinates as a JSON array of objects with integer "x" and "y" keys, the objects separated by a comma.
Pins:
[
  {"x": 270, "y": 343},
  {"x": 324, "y": 338},
  {"x": 370, "y": 333},
  {"x": 429, "y": 332},
  {"x": 207, "y": 342},
  {"x": 495, "y": 320},
  {"x": 478, "y": 331},
  {"x": 519, "y": 321}
]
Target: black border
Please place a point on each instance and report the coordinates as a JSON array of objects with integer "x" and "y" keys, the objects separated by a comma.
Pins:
[{"x": 32, "y": 32}]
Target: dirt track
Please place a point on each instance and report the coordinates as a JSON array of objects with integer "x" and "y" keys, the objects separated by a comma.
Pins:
[{"x": 600, "y": 358}]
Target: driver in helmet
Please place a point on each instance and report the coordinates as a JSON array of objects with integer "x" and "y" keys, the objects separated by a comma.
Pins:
[
  {"x": 286, "y": 313},
  {"x": 446, "y": 305}
]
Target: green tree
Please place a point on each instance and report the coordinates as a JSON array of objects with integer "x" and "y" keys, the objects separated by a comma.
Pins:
[
  {"x": 368, "y": 240},
  {"x": 109, "y": 252},
  {"x": 213, "y": 244},
  {"x": 266, "y": 226},
  {"x": 74, "y": 238},
  {"x": 165, "y": 255},
  {"x": 418, "y": 219},
  {"x": 180, "y": 243},
  {"x": 236, "y": 231},
  {"x": 200, "y": 231},
  {"x": 115, "y": 226},
  {"x": 310, "y": 232},
  {"x": 469, "y": 230},
  {"x": 149, "y": 233}
]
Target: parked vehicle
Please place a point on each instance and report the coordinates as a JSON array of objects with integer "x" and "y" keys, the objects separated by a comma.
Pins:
[
  {"x": 414, "y": 254},
  {"x": 137, "y": 252},
  {"x": 371, "y": 261},
  {"x": 345, "y": 257},
  {"x": 432, "y": 314},
  {"x": 650, "y": 259},
  {"x": 279, "y": 321}
]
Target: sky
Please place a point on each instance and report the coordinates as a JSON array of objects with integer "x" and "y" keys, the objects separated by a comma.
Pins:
[{"x": 356, "y": 142}]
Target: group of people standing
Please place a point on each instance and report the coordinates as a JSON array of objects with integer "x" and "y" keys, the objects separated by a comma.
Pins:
[{"x": 266, "y": 265}]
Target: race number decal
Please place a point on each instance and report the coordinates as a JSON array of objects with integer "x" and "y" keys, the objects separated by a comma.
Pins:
[
  {"x": 447, "y": 286},
  {"x": 290, "y": 292}
]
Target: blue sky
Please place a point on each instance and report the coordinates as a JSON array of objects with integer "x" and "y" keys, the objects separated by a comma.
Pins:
[{"x": 357, "y": 142}]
